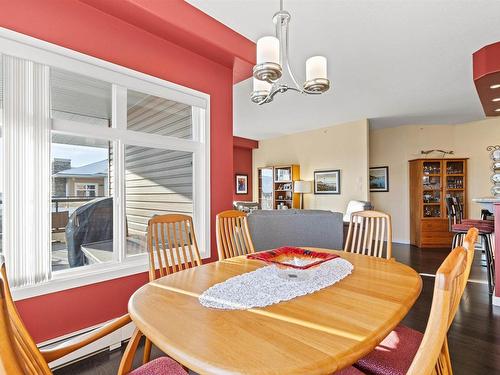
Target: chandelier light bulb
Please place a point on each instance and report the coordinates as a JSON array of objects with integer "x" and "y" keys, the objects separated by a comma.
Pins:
[
  {"x": 316, "y": 68},
  {"x": 268, "y": 50},
  {"x": 261, "y": 91},
  {"x": 259, "y": 85}
]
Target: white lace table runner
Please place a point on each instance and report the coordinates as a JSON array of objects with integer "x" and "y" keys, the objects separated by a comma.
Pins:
[{"x": 263, "y": 287}]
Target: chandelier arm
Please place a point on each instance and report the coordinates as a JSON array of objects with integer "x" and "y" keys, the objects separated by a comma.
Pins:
[
  {"x": 286, "y": 57},
  {"x": 275, "y": 90},
  {"x": 269, "y": 97},
  {"x": 279, "y": 33}
]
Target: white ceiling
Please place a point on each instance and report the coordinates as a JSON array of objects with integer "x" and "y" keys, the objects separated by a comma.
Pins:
[{"x": 394, "y": 62}]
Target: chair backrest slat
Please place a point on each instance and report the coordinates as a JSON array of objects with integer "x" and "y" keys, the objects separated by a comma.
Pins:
[
  {"x": 368, "y": 232},
  {"x": 175, "y": 248},
  {"x": 162, "y": 248},
  {"x": 233, "y": 235},
  {"x": 186, "y": 244}
]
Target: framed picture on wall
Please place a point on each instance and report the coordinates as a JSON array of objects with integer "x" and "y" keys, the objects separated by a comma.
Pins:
[
  {"x": 327, "y": 182},
  {"x": 379, "y": 179},
  {"x": 241, "y": 184}
]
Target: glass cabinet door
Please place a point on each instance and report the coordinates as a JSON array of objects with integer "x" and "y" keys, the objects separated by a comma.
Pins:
[
  {"x": 431, "y": 189},
  {"x": 432, "y": 168},
  {"x": 432, "y": 210},
  {"x": 455, "y": 167},
  {"x": 455, "y": 179}
]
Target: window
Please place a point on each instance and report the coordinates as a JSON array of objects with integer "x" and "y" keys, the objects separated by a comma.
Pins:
[
  {"x": 119, "y": 148},
  {"x": 86, "y": 190},
  {"x": 82, "y": 206}
]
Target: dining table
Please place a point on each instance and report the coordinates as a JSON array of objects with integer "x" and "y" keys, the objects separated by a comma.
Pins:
[{"x": 318, "y": 333}]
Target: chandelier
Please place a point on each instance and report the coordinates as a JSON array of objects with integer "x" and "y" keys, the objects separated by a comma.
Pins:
[{"x": 272, "y": 60}]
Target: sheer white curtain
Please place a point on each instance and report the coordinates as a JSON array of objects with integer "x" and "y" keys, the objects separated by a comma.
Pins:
[{"x": 27, "y": 211}]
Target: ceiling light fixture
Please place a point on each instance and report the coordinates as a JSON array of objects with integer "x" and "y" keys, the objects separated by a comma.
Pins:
[
  {"x": 495, "y": 100},
  {"x": 497, "y": 110},
  {"x": 495, "y": 86},
  {"x": 272, "y": 59}
]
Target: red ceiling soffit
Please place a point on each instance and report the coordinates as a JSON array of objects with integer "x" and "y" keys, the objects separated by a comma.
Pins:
[
  {"x": 486, "y": 72},
  {"x": 245, "y": 143},
  {"x": 187, "y": 26}
]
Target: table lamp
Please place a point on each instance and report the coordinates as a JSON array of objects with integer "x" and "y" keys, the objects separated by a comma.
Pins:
[{"x": 302, "y": 187}]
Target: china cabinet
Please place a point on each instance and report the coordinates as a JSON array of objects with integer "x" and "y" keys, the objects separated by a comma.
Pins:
[{"x": 431, "y": 181}]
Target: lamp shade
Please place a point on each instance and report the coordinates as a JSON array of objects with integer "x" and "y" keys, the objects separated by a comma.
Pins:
[
  {"x": 316, "y": 68},
  {"x": 259, "y": 85},
  {"x": 302, "y": 187},
  {"x": 268, "y": 50}
]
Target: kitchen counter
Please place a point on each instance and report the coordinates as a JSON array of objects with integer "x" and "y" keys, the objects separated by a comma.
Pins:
[{"x": 487, "y": 202}]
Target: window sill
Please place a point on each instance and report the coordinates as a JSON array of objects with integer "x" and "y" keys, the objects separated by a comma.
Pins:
[
  {"x": 82, "y": 276},
  {"x": 87, "y": 275}
]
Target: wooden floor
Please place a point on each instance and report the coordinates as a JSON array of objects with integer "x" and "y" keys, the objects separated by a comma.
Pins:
[{"x": 474, "y": 337}]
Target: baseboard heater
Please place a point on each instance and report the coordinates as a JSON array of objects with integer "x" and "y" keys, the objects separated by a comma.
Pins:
[{"x": 110, "y": 342}]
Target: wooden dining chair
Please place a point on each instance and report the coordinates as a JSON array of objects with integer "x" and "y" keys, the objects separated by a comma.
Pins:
[
  {"x": 172, "y": 247},
  {"x": 433, "y": 356},
  {"x": 233, "y": 236},
  {"x": 172, "y": 244},
  {"x": 368, "y": 231},
  {"x": 19, "y": 354},
  {"x": 406, "y": 351}
]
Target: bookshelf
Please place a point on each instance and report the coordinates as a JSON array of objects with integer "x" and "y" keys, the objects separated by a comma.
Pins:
[{"x": 276, "y": 187}]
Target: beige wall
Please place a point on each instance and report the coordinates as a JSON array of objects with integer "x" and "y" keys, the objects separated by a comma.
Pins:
[
  {"x": 395, "y": 146},
  {"x": 343, "y": 147}
]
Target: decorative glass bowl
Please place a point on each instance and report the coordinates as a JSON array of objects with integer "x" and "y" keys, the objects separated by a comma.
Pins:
[{"x": 293, "y": 263}]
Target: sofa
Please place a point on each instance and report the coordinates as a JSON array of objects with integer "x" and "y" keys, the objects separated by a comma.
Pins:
[{"x": 314, "y": 228}]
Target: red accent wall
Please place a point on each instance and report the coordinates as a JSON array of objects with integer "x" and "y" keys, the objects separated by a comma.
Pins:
[
  {"x": 82, "y": 27},
  {"x": 242, "y": 164}
]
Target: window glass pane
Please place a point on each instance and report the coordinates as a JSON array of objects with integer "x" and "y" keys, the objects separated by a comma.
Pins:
[
  {"x": 151, "y": 114},
  {"x": 82, "y": 206},
  {"x": 79, "y": 98},
  {"x": 157, "y": 182}
]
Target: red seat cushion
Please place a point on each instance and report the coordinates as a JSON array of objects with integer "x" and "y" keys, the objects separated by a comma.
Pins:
[
  {"x": 480, "y": 224},
  {"x": 393, "y": 356},
  {"x": 484, "y": 228},
  {"x": 160, "y": 366}
]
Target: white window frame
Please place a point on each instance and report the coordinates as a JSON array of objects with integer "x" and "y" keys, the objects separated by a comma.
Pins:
[
  {"x": 121, "y": 78},
  {"x": 83, "y": 186}
]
